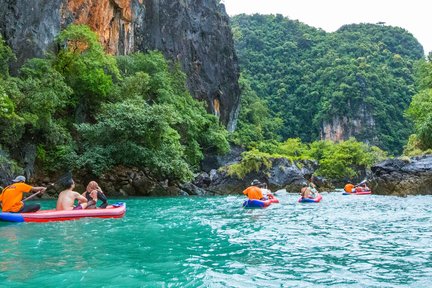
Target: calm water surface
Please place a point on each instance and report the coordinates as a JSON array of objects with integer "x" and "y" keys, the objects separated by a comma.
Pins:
[{"x": 344, "y": 241}]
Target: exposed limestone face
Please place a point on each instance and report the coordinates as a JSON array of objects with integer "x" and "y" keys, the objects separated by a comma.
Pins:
[
  {"x": 29, "y": 27},
  {"x": 341, "y": 127},
  {"x": 194, "y": 32},
  {"x": 112, "y": 20}
]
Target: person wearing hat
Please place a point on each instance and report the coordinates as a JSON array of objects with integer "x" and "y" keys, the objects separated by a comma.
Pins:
[
  {"x": 254, "y": 192},
  {"x": 11, "y": 196}
]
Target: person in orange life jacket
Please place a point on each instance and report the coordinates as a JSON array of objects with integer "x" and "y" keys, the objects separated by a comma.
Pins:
[
  {"x": 349, "y": 187},
  {"x": 11, "y": 196},
  {"x": 254, "y": 192}
]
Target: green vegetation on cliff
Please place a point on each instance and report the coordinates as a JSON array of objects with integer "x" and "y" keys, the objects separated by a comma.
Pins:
[
  {"x": 359, "y": 78},
  {"x": 81, "y": 108},
  {"x": 336, "y": 161},
  {"x": 420, "y": 111}
]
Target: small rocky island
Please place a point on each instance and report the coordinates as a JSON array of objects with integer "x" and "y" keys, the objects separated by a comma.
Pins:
[{"x": 403, "y": 176}]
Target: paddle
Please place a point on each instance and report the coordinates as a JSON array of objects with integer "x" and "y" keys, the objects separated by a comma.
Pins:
[
  {"x": 33, "y": 195},
  {"x": 65, "y": 176},
  {"x": 363, "y": 183}
]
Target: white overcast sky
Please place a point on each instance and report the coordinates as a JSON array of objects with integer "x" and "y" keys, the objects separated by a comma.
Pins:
[{"x": 415, "y": 15}]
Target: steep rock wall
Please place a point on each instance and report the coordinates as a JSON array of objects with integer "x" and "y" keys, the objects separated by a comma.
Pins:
[
  {"x": 194, "y": 32},
  {"x": 341, "y": 127},
  {"x": 197, "y": 33},
  {"x": 112, "y": 20}
]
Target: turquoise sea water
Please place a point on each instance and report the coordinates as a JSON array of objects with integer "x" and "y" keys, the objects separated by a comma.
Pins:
[{"x": 344, "y": 241}]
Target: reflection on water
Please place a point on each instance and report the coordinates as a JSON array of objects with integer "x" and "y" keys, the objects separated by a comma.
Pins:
[{"x": 356, "y": 241}]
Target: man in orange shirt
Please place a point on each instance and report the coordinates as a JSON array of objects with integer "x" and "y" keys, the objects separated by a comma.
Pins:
[
  {"x": 11, "y": 196},
  {"x": 254, "y": 191}
]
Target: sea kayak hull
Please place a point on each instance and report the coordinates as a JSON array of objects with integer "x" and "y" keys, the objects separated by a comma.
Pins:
[
  {"x": 358, "y": 193},
  {"x": 112, "y": 211},
  {"x": 257, "y": 204},
  {"x": 311, "y": 200}
]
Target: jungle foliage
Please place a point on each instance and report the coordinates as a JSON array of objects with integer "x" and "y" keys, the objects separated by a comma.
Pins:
[
  {"x": 85, "y": 109},
  {"x": 420, "y": 111},
  {"x": 362, "y": 76},
  {"x": 342, "y": 160}
]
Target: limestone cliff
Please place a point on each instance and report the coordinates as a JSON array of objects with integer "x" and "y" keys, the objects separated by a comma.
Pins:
[
  {"x": 194, "y": 32},
  {"x": 360, "y": 125}
]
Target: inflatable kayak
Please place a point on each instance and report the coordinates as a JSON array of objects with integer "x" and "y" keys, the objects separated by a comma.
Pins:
[
  {"x": 112, "y": 211},
  {"x": 366, "y": 192},
  {"x": 251, "y": 204},
  {"x": 311, "y": 200}
]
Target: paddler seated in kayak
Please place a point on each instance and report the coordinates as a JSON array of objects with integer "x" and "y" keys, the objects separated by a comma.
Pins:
[
  {"x": 312, "y": 192},
  {"x": 11, "y": 196},
  {"x": 94, "y": 192},
  {"x": 349, "y": 187},
  {"x": 308, "y": 192},
  {"x": 67, "y": 198},
  {"x": 254, "y": 192},
  {"x": 362, "y": 187}
]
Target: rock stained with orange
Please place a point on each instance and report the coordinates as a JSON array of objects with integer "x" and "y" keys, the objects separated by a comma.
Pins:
[{"x": 106, "y": 18}]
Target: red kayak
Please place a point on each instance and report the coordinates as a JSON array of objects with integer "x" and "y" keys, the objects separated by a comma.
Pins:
[
  {"x": 366, "y": 192},
  {"x": 112, "y": 211}
]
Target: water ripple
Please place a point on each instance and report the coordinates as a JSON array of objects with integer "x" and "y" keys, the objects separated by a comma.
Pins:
[{"x": 344, "y": 241}]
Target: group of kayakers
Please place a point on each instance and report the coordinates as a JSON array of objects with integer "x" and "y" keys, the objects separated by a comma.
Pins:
[
  {"x": 255, "y": 190},
  {"x": 11, "y": 197},
  {"x": 308, "y": 190}
]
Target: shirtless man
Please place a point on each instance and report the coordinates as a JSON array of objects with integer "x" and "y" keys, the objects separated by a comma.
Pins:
[
  {"x": 305, "y": 191},
  {"x": 308, "y": 191},
  {"x": 67, "y": 198}
]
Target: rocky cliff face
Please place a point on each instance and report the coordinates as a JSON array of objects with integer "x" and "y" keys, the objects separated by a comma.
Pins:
[
  {"x": 197, "y": 33},
  {"x": 403, "y": 177},
  {"x": 342, "y": 127},
  {"x": 194, "y": 32}
]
